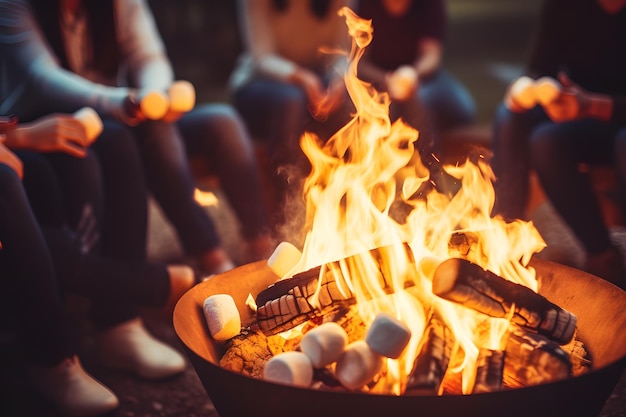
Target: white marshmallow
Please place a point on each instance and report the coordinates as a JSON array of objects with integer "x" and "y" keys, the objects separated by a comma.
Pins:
[
  {"x": 402, "y": 82},
  {"x": 324, "y": 344},
  {"x": 388, "y": 336},
  {"x": 222, "y": 316},
  {"x": 358, "y": 365},
  {"x": 289, "y": 368},
  {"x": 92, "y": 122},
  {"x": 182, "y": 96},
  {"x": 154, "y": 105},
  {"x": 284, "y": 258},
  {"x": 523, "y": 92},
  {"x": 547, "y": 89}
]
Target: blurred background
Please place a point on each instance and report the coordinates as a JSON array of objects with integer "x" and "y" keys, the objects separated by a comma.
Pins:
[{"x": 488, "y": 41}]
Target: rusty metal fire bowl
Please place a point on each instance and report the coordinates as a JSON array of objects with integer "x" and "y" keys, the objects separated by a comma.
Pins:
[{"x": 599, "y": 306}]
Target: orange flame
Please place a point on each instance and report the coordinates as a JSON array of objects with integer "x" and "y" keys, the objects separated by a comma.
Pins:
[{"x": 356, "y": 178}]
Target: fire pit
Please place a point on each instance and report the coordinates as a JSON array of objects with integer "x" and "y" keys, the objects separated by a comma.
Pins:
[
  {"x": 383, "y": 234},
  {"x": 599, "y": 306}
]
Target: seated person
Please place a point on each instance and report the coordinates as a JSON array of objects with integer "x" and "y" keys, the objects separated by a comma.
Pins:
[
  {"x": 289, "y": 79},
  {"x": 61, "y": 55},
  {"x": 405, "y": 59},
  {"x": 577, "y": 115}
]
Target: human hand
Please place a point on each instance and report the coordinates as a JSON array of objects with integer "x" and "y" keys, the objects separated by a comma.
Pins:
[
  {"x": 572, "y": 103},
  {"x": 402, "y": 83},
  {"x": 11, "y": 160},
  {"x": 53, "y": 133}
]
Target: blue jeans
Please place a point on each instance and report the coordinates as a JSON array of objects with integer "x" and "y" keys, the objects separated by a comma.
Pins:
[
  {"x": 276, "y": 113},
  {"x": 30, "y": 296},
  {"x": 554, "y": 150},
  {"x": 216, "y": 132}
]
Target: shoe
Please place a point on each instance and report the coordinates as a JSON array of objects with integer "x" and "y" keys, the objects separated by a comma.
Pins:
[
  {"x": 129, "y": 346},
  {"x": 182, "y": 278},
  {"x": 608, "y": 265},
  {"x": 73, "y": 390}
]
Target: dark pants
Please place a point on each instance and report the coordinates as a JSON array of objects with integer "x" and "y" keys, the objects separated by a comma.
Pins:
[{"x": 555, "y": 150}]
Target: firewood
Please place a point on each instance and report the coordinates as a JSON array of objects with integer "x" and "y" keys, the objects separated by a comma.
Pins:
[
  {"x": 292, "y": 301},
  {"x": 489, "y": 371},
  {"x": 468, "y": 284},
  {"x": 432, "y": 361},
  {"x": 533, "y": 359}
]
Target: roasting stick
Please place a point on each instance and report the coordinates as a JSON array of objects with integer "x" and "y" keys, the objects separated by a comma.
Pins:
[{"x": 467, "y": 283}]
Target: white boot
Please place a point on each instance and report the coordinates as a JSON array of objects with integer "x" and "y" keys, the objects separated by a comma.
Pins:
[
  {"x": 130, "y": 347},
  {"x": 73, "y": 390}
]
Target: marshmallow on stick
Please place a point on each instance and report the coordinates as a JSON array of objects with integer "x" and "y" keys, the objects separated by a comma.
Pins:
[
  {"x": 547, "y": 89},
  {"x": 522, "y": 92},
  {"x": 358, "y": 365},
  {"x": 182, "y": 96},
  {"x": 289, "y": 368},
  {"x": 222, "y": 316},
  {"x": 153, "y": 105},
  {"x": 324, "y": 344},
  {"x": 284, "y": 258},
  {"x": 388, "y": 336},
  {"x": 402, "y": 82},
  {"x": 91, "y": 121}
]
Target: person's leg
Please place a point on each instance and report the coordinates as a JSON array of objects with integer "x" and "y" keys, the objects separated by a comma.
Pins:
[
  {"x": 172, "y": 184},
  {"x": 31, "y": 298},
  {"x": 511, "y": 160},
  {"x": 277, "y": 114},
  {"x": 27, "y": 275},
  {"x": 123, "y": 233},
  {"x": 216, "y": 132},
  {"x": 450, "y": 103},
  {"x": 556, "y": 152}
]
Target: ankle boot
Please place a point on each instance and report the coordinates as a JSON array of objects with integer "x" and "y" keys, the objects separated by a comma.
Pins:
[
  {"x": 129, "y": 346},
  {"x": 73, "y": 390}
]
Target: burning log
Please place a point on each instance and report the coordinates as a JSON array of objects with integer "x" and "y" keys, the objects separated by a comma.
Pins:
[
  {"x": 324, "y": 289},
  {"x": 295, "y": 300},
  {"x": 466, "y": 283},
  {"x": 489, "y": 371},
  {"x": 532, "y": 359},
  {"x": 432, "y": 361}
]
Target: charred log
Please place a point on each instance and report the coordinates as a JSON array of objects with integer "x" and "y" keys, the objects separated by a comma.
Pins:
[
  {"x": 468, "y": 284},
  {"x": 489, "y": 371},
  {"x": 325, "y": 289},
  {"x": 433, "y": 358},
  {"x": 532, "y": 359}
]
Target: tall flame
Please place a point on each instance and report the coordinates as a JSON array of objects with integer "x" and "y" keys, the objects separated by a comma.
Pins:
[{"x": 365, "y": 170}]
